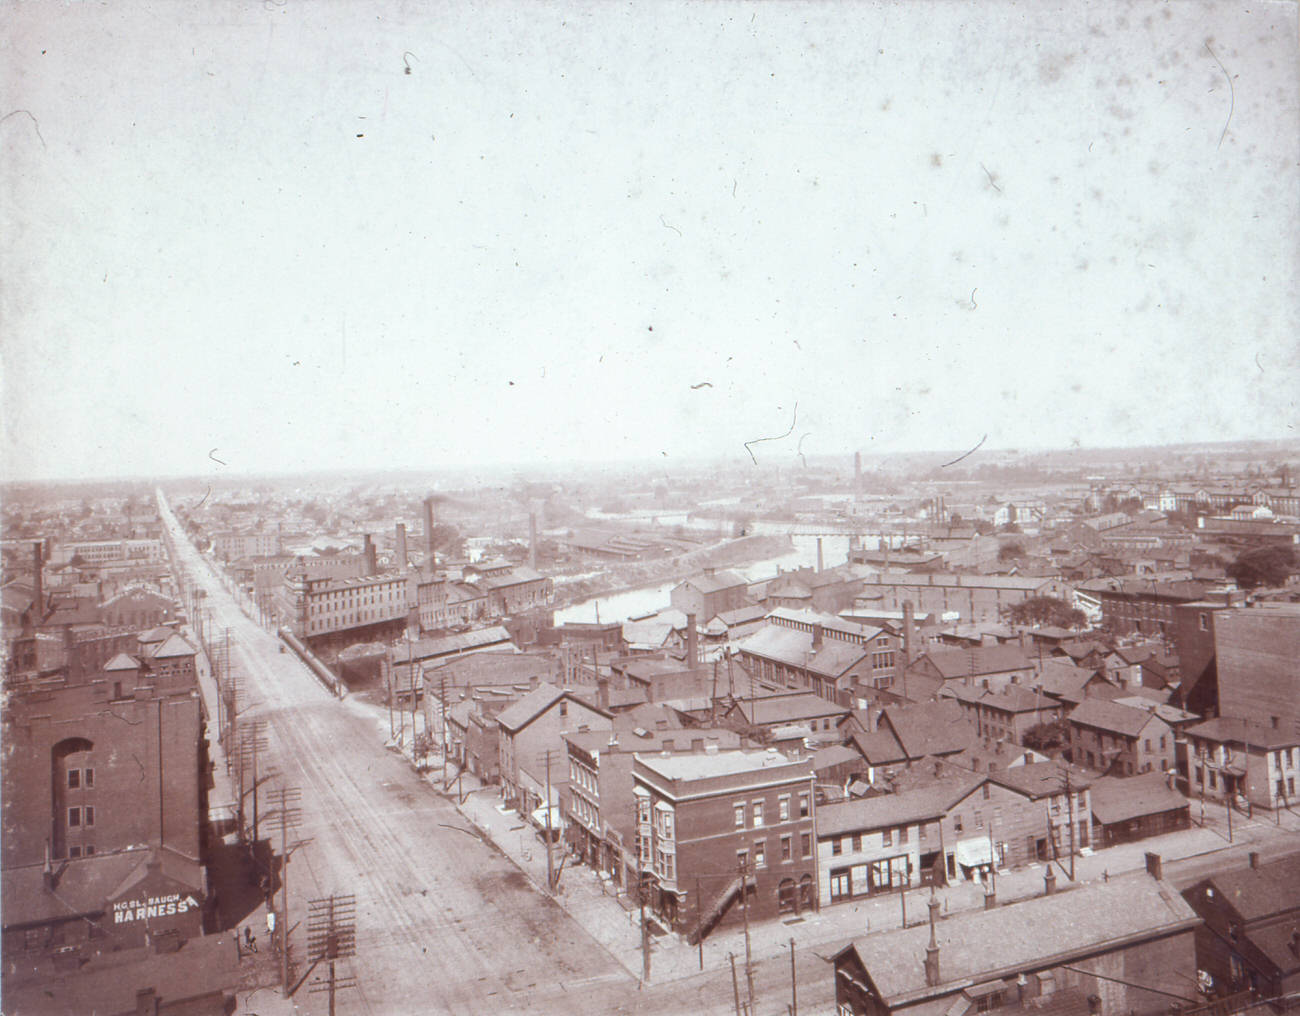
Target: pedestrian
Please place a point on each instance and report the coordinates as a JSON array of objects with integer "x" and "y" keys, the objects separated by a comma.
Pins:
[
  {"x": 250, "y": 940},
  {"x": 270, "y": 925}
]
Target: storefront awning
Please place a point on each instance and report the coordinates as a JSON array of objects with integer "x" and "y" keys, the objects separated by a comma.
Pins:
[
  {"x": 974, "y": 853},
  {"x": 540, "y": 817}
]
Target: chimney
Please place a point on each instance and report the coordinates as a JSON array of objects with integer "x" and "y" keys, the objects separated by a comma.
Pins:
[
  {"x": 692, "y": 640},
  {"x": 1254, "y": 859},
  {"x": 819, "y": 553},
  {"x": 932, "y": 950},
  {"x": 38, "y": 583},
  {"x": 428, "y": 532},
  {"x": 909, "y": 619},
  {"x": 602, "y": 692},
  {"x": 402, "y": 559},
  {"x": 532, "y": 540},
  {"x": 991, "y": 899},
  {"x": 817, "y": 636},
  {"x": 532, "y": 683},
  {"x": 1155, "y": 866},
  {"x": 1049, "y": 880},
  {"x": 368, "y": 550}
]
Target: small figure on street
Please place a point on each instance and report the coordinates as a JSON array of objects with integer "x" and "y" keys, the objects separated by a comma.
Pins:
[
  {"x": 270, "y": 924},
  {"x": 250, "y": 940}
]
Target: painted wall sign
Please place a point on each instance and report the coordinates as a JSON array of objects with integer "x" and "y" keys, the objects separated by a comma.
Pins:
[{"x": 152, "y": 906}]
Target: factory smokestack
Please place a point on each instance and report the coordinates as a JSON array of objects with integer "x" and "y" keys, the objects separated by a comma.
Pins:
[
  {"x": 38, "y": 583},
  {"x": 819, "y": 553},
  {"x": 692, "y": 643},
  {"x": 368, "y": 549},
  {"x": 403, "y": 562},
  {"x": 428, "y": 532}
]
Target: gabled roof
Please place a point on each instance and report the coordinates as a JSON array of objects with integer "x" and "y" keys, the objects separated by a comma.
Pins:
[
  {"x": 978, "y": 946},
  {"x": 1042, "y": 779},
  {"x": 1119, "y": 799},
  {"x": 715, "y": 582},
  {"x": 1255, "y": 893},
  {"x": 537, "y": 702},
  {"x": 1062, "y": 679},
  {"x": 1014, "y": 698},
  {"x": 794, "y": 648},
  {"x": 976, "y": 662},
  {"x": 174, "y": 648},
  {"x": 122, "y": 661},
  {"x": 878, "y": 747},
  {"x": 1102, "y": 714},
  {"x": 929, "y": 728},
  {"x": 887, "y": 810},
  {"x": 790, "y": 708}
]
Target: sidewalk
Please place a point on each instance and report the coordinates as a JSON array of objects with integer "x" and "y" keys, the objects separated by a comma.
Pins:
[{"x": 613, "y": 920}]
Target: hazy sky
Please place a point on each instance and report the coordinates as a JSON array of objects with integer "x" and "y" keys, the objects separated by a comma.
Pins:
[{"x": 244, "y": 226}]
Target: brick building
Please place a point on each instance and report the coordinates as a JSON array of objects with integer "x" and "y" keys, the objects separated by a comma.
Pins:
[
  {"x": 712, "y": 826},
  {"x": 973, "y": 597},
  {"x": 1005, "y": 714},
  {"x": 709, "y": 594},
  {"x": 532, "y": 730},
  {"x": 1228, "y": 757},
  {"x": 104, "y": 800},
  {"x": 1146, "y": 607}
]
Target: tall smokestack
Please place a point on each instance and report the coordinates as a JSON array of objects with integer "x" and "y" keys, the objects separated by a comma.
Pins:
[
  {"x": 428, "y": 532},
  {"x": 819, "y": 553},
  {"x": 909, "y": 619},
  {"x": 692, "y": 643},
  {"x": 532, "y": 540},
  {"x": 38, "y": 583},
  {"x": 368, "y": 549},
  {"x": 403, "y": 562}
]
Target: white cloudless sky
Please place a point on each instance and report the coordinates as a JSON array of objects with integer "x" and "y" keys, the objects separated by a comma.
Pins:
[{"x": 244, "y": 226}]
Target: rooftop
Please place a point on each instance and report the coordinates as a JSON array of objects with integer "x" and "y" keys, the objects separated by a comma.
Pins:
[
  {"x": 1119, "y": 799},
  {"x": 1102, "y": 714},
  {"x": 1229, "y": 730},
  {"x": 888, "y": 810},
  {"x": 723, "y": 763},
  {"x": 981, "y": 945}
]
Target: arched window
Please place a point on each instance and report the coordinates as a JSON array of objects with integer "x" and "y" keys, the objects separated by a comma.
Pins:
[{"x": 72, "y": 784}]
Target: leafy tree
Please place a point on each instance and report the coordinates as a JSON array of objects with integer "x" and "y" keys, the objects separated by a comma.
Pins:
[
  {"x": 1263, "y": 566},
  {"x": 1046, "y": 736},
  {"x": 1039, "y": 610},
  {"x": 1010, "y": 551}
]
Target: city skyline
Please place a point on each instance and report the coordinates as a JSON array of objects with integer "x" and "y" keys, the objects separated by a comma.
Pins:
[{"x": 276, "y": 239}]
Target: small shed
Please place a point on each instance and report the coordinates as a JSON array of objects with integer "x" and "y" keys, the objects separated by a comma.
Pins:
[{"x": 1125, "y": 809}]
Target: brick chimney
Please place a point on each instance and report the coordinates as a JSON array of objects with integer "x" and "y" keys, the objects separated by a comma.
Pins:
[
  {"x": 368, "y": 550},
  {"x": 1254, "y": 859},
  {"x": 819, "y": 553},
  {"x": 692, "y": 643},
  {"x": 817, "y": 634},
  {"x": 932, "y": 950},
  {"x": 402, "y": 558}
]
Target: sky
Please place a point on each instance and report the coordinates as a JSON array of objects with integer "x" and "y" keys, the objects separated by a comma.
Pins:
[{"x": 292, "y": 236}]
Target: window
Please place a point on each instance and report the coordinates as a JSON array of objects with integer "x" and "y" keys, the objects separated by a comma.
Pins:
[
  {"x": 88, "y": 815},
  {"x": 742, "y": 859},
  {"x": 887, "y": 838},
  {"x": 857, "y": 842},
  {"x": 758, "y": 814},
  {"x": 74, "y": 779},
  {"x": 1205, "y": 622},
  {"x": 803, "y": 805},
  {"x": 805, "y": 844},
  {"x": 920, "y": 832},
  {"x": 1146, "y": 744},
  {"x": 956, "y": 823},
  {"x": 760, "y": 855},
  {"x": 1162, "y": 742},
  {"x": 841, "y": 884},
  {"x": 902, "y": 834},
  {"x": 986, "y": 791},
  {"x": 668, "y": 825},
  {"x": 74, "y": 816},
  {"x": 74, "y": 851},
  {"x": 787, "y": 848},
  {"x": 740, "y": 816},
  {"x": 564, "y": 708},
  {"x": 837, "y": 846},
  {"x": 783, "y": 807}
]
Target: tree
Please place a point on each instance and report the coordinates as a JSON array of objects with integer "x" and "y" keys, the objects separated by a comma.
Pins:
[
  {"x": 1038, "y": 610},
  {"x": 1046, "y": 736},
  {"x": 1263, "y": 566},
  {"x": 1010, "y": 551}
]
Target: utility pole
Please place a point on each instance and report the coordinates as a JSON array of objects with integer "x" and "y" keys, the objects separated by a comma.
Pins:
[
  {"x": 794, "y": 989},
  {"x": 287, "y": 815},
  {"x": 1069, "y": 801},
  {"x": 744, "y": 909},
  {"x": 645, "y": 928},
  {"x": 332, "y": 935},
  {"x": 550, "y": 870},
  {"x": 442, "y": 697},
  {"x": 735, "y": 984}
]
